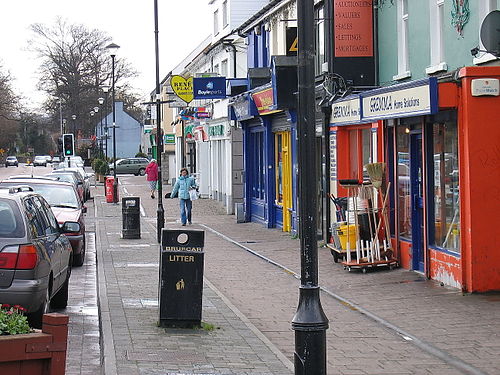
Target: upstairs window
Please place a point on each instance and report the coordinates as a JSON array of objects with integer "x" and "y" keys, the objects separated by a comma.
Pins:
[
  {"x": 216, "y": 22},
  {"x": 403, "y": 51},
  {"x": 223, "y": 68},
  {"x": 319, "y": 40},
  {"x": 224, "y": 14},
  {"x": 436, "y": 37}
]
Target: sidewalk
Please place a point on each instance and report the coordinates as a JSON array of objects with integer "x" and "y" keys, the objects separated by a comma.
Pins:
[{"x": 387, "y": 322}]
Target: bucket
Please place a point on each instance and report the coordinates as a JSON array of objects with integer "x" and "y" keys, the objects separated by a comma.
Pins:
[{"x": 342, "y": 232}]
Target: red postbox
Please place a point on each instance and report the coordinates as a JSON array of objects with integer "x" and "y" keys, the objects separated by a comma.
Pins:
[{"x": 109, "y": 189}]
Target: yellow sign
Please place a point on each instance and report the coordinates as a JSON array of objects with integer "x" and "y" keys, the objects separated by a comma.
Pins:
[
  {"x": 183, "y": 87},
  {"x": 294, "y": 46}
]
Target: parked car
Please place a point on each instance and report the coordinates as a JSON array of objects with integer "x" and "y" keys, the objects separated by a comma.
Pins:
[
  {"x": 82, "y": 176},
  {"x": 40, "y": 161},
  {"x": 48, "y": 158},
  {"x": 65, "y": 204},
  {"x": 71, "y": 178},
  {"x": 11, "y": 160},
  {"x": 35, "y": 255},
  {"x": 71, "y": 162},
  {"x": 136, "y": 166},
  {"x": 56, "y": 159}
]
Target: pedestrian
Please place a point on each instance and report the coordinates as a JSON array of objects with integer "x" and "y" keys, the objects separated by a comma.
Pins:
[
  {"x": 152, "y": 176},
  {"x": 181, "y": 188}
]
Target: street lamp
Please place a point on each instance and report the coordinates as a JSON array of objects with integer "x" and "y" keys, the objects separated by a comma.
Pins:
[
  {"x": 160, "y": 212},
  {"x": 101, "y": 102},
  {"x": 310, "y": 322},
  {"x": 113, "y": 48},
  {"x": 105, "y": 90}
]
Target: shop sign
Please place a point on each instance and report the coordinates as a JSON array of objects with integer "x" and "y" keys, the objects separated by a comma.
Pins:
[
  {"x": 411, "y": 99},
  {"x": 264, "y": 101},
  {"x": 353, "y": 22},
  {"x": 216, "y": 130},
  {"x": 209, "y": 88},
  {"x": 169, "y": 139},
  {"x": 485, "y": 87},
  {"x": 182, "y": 87},
  {"x": 346, "y": 112},
  {"x": 291, "y": 41}
]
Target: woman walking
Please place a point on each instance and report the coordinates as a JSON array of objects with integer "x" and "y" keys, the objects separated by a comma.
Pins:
[
  {"x": 152, "y": 176},
  {"x": 181, "y": 188}
]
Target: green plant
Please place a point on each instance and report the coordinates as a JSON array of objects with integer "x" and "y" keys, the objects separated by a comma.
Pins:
[
  {"x": 103, "y": 168},
  {"x": 13, "y": 321},
  {"x": 141, "y": 155},
  {"x": 96, "y": 165}
]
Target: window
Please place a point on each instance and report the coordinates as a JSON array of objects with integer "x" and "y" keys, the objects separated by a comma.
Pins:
[
  {"x": 403, "y": 50},
  {"x": 320, "y": 41},
  {"x": 216, "y": 22},
  {"x": 11, "y": 224},
  {"x": 224, "y": 14},
  {"x": 360, "y": 152},
  {"x": 223, "y": 68},
  {"x": 444, "y": 202},
  {"x": 216, "y": 68},
  {"x": 436, "y": 37},
  {"x": 403, "y": 181},
  {"x": 279, "y": 167},
  {"x": 257, "y": 162}
]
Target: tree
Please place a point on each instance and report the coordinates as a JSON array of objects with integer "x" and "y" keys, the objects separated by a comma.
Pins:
[
  {"x": 75, "y": 65},
  {"x": 9, "y": 107}
]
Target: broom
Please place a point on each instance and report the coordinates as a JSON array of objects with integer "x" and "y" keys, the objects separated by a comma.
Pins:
[{"x": 376, "y": 173}]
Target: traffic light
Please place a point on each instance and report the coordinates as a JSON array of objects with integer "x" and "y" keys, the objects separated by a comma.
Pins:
[{"x": 68, "y": 145}]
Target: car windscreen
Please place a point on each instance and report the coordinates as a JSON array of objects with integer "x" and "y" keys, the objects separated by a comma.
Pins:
[
  {"x": 11, "y": 223},
  {"x": 64, "y": 177},
  {"x": 55, "y": 195}
]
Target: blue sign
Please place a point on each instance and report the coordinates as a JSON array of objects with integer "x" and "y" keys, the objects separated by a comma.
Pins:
[{"x": 209, "y": 88}]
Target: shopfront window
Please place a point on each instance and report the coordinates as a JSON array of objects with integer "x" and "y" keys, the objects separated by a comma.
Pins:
[
  {"x": 360, "y": 152},
  {"x": 257, "y": 164},
  {"x": 279, "y": 168},
  {"x": 403, "y": 181},
  {"x": 445, "y": 212}
]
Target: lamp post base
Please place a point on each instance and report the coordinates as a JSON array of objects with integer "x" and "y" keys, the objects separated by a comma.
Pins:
[{"x": 160, "y": 220}]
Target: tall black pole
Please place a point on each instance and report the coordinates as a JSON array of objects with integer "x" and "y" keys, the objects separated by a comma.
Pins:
[
  {"x": 115, "y": 180},
  {"x": 309, "y": 323},
  {"x": 160, "y": 212},
  {"x": 106, "y": 123}
]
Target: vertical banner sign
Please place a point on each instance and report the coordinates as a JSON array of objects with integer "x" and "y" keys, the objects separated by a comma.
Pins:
[{"x": 353, "y": 28}]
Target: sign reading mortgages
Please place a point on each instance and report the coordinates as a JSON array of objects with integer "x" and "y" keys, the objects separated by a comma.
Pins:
[{"x": 353, "y": 28}]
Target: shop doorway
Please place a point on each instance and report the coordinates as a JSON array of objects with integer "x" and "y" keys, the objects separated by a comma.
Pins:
[
  {"x": 417, "y": 200},
  {"x": 284, "y": 177}
]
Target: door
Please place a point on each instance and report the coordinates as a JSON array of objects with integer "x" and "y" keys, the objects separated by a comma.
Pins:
[{"x": 416, "y": 191}]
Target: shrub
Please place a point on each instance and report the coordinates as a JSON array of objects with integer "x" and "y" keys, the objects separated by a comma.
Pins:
[
  {"x": 13, "y": 321},
  {"x": 141, "y": 155}
]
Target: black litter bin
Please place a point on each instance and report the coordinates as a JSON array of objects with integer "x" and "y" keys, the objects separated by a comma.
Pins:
[
  {"x": 181, "y": 278},
  {"x": 131, "y": 218}
]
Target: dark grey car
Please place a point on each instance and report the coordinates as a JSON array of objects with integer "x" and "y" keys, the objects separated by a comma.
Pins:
[
  {"x": 35, "y": 255},
  {"x": 135, "y": 166}
]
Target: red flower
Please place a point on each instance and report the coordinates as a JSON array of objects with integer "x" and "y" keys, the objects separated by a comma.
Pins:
[{"x": 5, "y": 306}]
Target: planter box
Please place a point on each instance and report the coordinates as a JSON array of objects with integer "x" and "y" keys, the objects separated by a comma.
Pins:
[{"x": 39, "y": 353}]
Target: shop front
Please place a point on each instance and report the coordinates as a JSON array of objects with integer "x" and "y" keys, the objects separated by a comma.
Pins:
[{"x": 440, "y": 142}]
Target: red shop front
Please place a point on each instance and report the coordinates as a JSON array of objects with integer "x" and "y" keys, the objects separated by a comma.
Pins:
[{"x": 441, "y": 143}]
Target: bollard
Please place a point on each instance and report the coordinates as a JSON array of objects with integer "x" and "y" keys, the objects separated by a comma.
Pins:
[
  {"x": 181, "y": 278},
  {"x": 131, "y": 218}
]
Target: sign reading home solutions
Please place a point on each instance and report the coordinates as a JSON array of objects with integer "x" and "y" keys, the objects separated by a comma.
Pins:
[
  {"x": 209, "y": 88},
  {"x": 346, "y": 112},
  {"x": 405, "y": 100},
  {"x": 182, "y": 87}
]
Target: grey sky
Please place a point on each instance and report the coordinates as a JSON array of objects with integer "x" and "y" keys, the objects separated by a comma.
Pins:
[{"x": 130, "y": 23}]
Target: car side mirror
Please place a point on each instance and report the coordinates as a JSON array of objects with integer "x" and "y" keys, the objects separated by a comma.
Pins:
[
  {"x": 71, "y": 227},
  {"x": 84, "y": 209}
]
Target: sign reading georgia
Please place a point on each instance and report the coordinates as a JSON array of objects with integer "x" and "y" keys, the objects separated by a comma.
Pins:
[{"x": 183, "y": 88}]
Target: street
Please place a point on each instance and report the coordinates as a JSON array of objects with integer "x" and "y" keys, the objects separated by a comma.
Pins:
[{"x": 381, "y": 322}]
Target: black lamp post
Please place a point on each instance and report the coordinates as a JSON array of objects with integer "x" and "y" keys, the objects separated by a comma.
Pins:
[
  {"x": 309, "y": 323},
  {"x": 101, "y": 135},
  {"x": 160, "y": 212},
  {"x": 105, "y": 90},
  {"x": 112, "y": 51}
]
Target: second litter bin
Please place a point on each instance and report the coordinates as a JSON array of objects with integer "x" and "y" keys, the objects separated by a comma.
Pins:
[{"x": 131, "y": 218}]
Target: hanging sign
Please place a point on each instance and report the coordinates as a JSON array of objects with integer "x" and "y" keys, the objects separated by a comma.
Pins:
[
  {"x": 209, "y": 88},
  {"x": 264, "y": 101},
  {"x": 353, "y": 28},
  {"x": 169, "y": 139},
  {"x": 182, "y": 87},
  {"x": 291, "y": 41}
]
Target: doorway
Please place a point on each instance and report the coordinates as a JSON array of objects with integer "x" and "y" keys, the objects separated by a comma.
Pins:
[{"x": 417, "y": 201}]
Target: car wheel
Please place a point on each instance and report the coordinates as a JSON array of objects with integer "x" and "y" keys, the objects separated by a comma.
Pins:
[
  {"x": 60, "y": 300},
  {"x": 35, "y": 318},
  {"x": 142, "y": 172},
  {"x": 80, "y": 258}
]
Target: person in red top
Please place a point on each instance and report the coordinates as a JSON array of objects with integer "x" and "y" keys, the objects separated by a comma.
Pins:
[{"x": 152, "y": 176}]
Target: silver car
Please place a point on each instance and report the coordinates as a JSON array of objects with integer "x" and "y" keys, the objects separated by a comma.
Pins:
[
  {"x": 35, "y": 255},
  {"x": 136, "y": 166}
]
